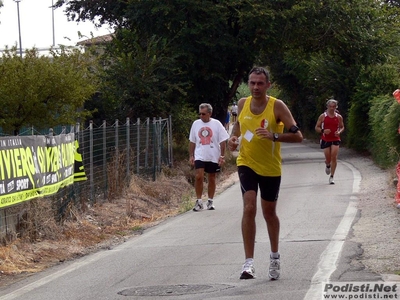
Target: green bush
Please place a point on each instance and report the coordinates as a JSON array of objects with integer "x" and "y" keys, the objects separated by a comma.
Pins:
[
  {"x": 357, "y": 126},
  {"x": 384, "y": 141},
  {"x": 182, "y": 118},
  {"x": 373, "y": 82}
]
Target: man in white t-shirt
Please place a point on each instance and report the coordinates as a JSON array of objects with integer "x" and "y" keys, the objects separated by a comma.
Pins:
[
  {"x": 234, "y": 112},
  {"x": 206, "y": 149}
]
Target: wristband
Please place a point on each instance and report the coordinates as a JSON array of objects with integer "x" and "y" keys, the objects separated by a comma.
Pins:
[{"x": 294, "y": 129}]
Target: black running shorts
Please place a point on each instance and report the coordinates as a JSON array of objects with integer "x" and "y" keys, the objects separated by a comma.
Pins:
[
  {"x": 251, "y": 181},
  {"x": 208, "y": 166},
  {"x": 325, "y": 144}
]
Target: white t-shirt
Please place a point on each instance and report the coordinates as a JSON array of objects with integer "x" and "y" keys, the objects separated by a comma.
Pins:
[
  {"x": 207, "y": 137},
  {"x": 234, "y": 109}
]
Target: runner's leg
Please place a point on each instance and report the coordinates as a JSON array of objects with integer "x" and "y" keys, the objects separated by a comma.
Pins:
[
  {"x": 199, "y": 181},
  {"x": 334, "y": 150}
]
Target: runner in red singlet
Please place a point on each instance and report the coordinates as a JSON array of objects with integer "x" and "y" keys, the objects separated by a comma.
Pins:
[{"x": 330, "y": 125}]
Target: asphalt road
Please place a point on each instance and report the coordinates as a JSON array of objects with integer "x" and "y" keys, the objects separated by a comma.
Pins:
[{"x": 198, "y": 255}]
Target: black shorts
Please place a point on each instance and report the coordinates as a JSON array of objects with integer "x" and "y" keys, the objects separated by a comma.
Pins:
[
  {"x": 208, "y": 166},
  {"x": 251, "y": 181},
  {"x": 234, "y": 114},
  {"x": 325, "y": 144}
]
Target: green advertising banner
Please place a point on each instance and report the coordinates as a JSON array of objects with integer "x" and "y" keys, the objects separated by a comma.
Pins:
[{"x": 35, "y": 166}]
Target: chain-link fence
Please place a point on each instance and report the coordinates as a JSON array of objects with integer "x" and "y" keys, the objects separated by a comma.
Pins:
[{"x": 111, "y": 154}]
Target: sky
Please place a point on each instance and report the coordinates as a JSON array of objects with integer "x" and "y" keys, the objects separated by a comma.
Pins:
[{"x": 37, "y": 26}]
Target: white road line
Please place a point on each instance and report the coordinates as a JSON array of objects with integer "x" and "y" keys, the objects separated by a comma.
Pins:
[{"x": 328, "y": 260}]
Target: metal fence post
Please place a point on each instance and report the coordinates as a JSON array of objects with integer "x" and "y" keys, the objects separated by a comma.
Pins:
[
  {"x": 91, "y": 161},
  {"x": 159, "y": 146},
  {"x": 105, "y": 159},
  {"x": 154, "y": 149},
  {"x": 138, "y": 146},
  {"x": 128, "y": 144},
  {"x": 147, "y": 143},
  {"x": 169, "y": 130},
  {"x": 82, "y": 142},
  {"x": 116, "y": 152},
  {"x": 78, "y": 137}
]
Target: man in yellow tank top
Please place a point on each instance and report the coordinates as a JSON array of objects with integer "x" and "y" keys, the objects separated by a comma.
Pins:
[{"x": 260, "y": 126}]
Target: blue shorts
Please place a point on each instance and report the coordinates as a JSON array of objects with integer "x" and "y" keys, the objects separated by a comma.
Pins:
[
  {"x": 251, "y": 181},
  {"x": 208, "y": 166},
  {"x": 228, "y": 116}
]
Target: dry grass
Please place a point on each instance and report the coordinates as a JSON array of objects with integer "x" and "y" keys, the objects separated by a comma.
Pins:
[{"x": 144, "y": 203}]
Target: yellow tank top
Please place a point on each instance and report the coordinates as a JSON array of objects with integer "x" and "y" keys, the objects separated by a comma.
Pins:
[{"x": 263, "y": 156}]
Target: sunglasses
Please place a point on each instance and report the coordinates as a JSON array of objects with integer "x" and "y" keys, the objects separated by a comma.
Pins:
[{"x": 202, "y": 114}]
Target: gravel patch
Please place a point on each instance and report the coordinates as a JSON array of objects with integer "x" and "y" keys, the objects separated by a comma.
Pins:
[{"x": 378, "y": 229}]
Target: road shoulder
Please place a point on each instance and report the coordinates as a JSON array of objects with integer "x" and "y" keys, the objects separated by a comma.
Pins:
[{"x": 376, "y": 231}]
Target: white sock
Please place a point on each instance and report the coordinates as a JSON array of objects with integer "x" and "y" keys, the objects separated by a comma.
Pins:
[
  {"x": 210, "y": 199},
  {"x": 249, "y": 260},
  {"x": 275, "y": 255}
]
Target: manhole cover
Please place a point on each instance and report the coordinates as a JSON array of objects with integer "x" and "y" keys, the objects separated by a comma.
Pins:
[{"x": 173, "y": 290}]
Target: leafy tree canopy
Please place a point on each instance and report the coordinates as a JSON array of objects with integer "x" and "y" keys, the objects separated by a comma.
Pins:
[
  {"x": 212, "y": 42},
  {"x": 44, "y": 91},
  {"x": 326, "y": 47},
  {"x": 314, "y": 49}
]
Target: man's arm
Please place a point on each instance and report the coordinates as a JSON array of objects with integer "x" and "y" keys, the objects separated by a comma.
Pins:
[
  {"x": 222, "y": 146},
  {"x": 221, "y": 158},
  {"x": 192, "y": 147},
  {"x": 318, "y": 127},
  {"x": 283, "y": 114},
  {"x": 236, "y": 129},
  {"x": 341, "y": 125}
]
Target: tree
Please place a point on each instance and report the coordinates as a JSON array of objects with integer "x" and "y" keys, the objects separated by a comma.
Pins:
[
  {"x": 212, "y": 44},
  {"x": 314, "y": 49},
  {"x": 138, "y": 81},
  {"x": 44, "y": 91},
  {"x": 327, "y": 47}
]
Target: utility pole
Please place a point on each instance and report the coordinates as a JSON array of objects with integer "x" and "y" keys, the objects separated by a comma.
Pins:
[
  {"x": 19, "y": 28},
  {"x": 52, "y": 22}
]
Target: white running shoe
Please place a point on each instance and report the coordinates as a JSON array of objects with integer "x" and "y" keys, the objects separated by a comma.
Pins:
[
  {"x": 210, "y": 205},
  {"x": 198, "y": 206},
  {"x": 274, "y": 268},
  {"x": 328, "y": 170},
  {"x": 331, "y": 181},
  {"x": 247, "y": 271}
]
